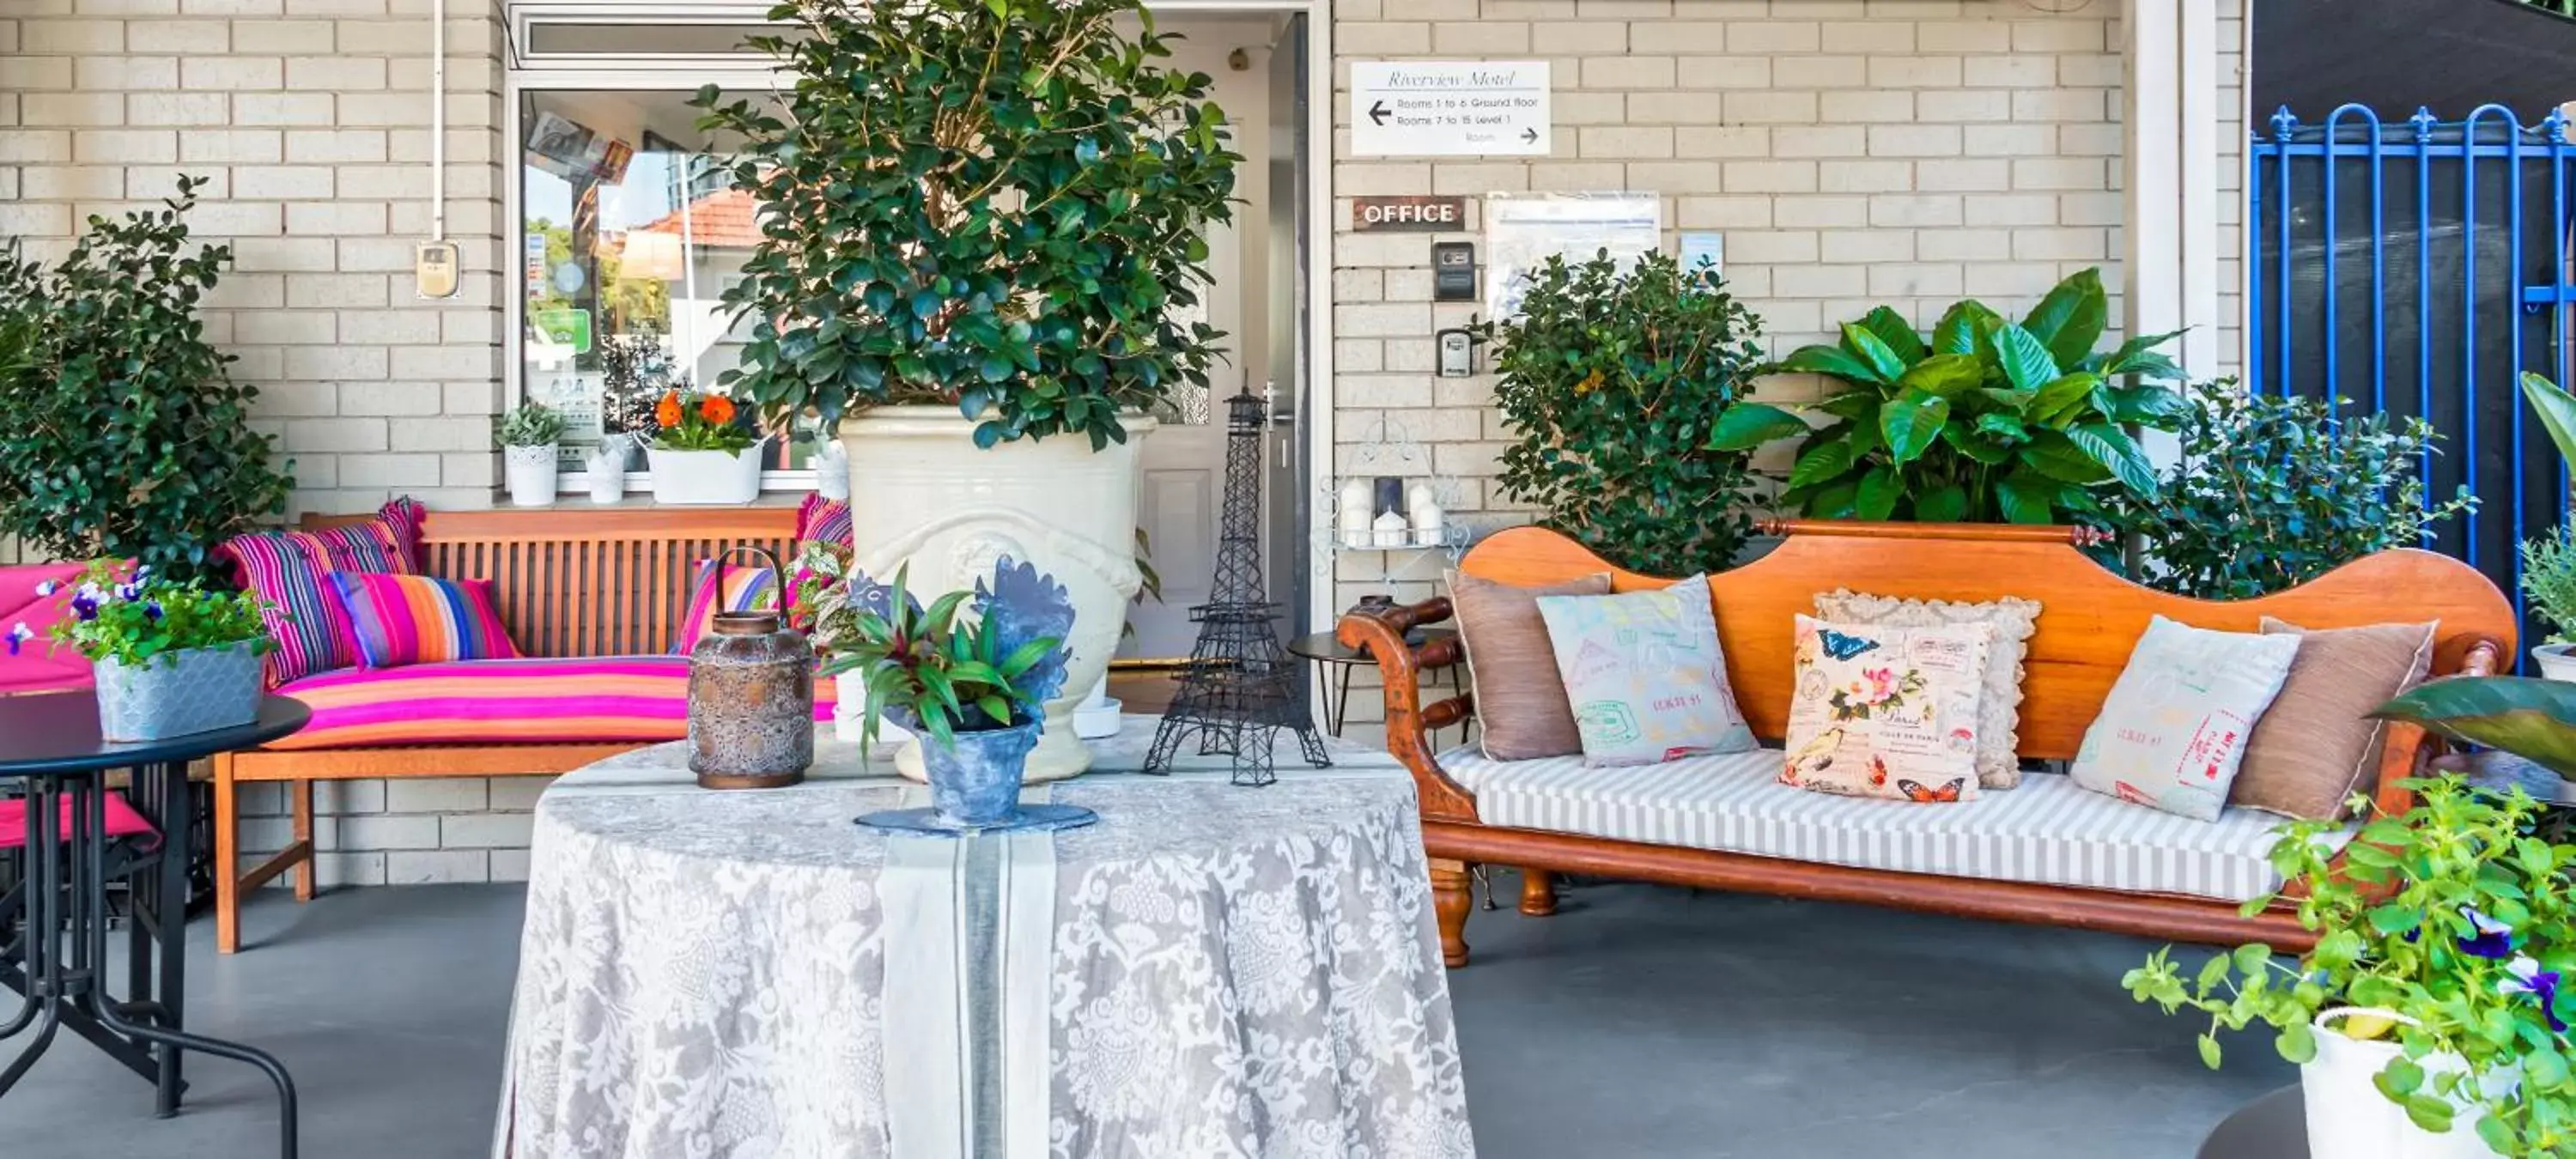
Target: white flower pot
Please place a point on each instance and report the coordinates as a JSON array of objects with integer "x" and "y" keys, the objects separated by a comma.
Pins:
[
  {"x": 2556, "y": 661},
  {"x": 949, "y": 509},
  {"x": 705, "y": 477},
  {"x": 531, "y": 475},
  {"x": 2349, "y": 1119}
]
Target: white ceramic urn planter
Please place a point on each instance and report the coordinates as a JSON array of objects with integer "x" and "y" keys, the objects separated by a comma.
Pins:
[
  {"x": 2556, "y": 661},
  {"x": 531, "y": 472},
  {"x": 949, "y": 509},
  {"x": 2349, "y": 1119},
  {"x": 705, "y": 478}
]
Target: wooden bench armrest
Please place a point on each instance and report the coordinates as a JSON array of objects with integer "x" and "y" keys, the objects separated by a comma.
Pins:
[{"x": 1409, "y": 722}]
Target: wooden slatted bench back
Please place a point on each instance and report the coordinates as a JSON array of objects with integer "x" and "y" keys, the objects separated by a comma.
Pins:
[
  {"x": 602, "y": 582},
  {"x": 2089, "y": 618}
]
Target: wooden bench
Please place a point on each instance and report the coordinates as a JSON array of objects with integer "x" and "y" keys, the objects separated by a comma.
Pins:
[
  {"x": 568, "y": 582},
  {"x": 2089, "y": 621}
]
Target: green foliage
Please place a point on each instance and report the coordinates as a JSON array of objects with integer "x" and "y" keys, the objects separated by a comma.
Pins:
[
  {"x": 534, "y": 424},
  {"x": 2398, "y": 919},
  {"x": 927, "y": 664},
  {"x": 2557, "y": 411},
  {"x": 1982, "y": 421},
  {"x": 1610, "y": 381},
  {"x": 123, "y": 433},
  {"x": 132, "y": 621},
  {"x": 995, "y": 204},
  {"x": 2549, "y": 580},
  {"x": 2530, "y": 718},
  {"x": 2272, "y": 492}
]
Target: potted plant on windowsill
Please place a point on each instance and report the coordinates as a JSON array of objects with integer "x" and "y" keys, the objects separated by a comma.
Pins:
[
  {"x": 705, "y": 451},
  {"x": 170, "y": 658},
  {"x": 530, "y": 439},
  {"x": 1033, "y": 188}
]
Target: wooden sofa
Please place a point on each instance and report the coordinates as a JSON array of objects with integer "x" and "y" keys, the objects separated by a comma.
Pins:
[
  {"x": 568, "y": 582},
  {"x": 2089, "y": 621}
]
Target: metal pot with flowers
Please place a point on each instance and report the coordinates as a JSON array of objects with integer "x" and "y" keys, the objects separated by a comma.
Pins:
[
  {"x": 171, "y": 658},
  {"x": 705, "y": 450}
]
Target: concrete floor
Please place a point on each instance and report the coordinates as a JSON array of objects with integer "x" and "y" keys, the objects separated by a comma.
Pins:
[{"x": 1640, "y": 1021}]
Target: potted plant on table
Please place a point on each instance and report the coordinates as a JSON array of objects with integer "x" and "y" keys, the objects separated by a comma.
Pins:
[
  {"x": 706, "y": 451},
  {"x": 171, "y": 658},
  {"x": 531, "y": 437},
  {"x": 1034, "y": 187}
]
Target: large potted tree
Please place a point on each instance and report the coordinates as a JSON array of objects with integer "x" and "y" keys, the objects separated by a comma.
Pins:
[{"x": 983, "y": 222}]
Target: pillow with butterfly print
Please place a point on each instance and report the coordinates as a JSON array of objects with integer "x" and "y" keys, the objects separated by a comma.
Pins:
[{"x": 1883, "y": 711}]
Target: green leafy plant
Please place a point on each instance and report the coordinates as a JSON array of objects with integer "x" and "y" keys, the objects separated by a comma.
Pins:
[
  {"x": 686, "y": 420},
  {"x": 998, "y": 205},
  {"x": 533, "y": 424},
  {"x": 2453, "y": 914},
  {"x": 2271, "y": 492},
  {"x": 2549, "y": 580},
  {"x": 1609, "y": 379},
  {"x": 125, "y": 437},
  {"x": 1984, "y": 420},
  {"x": 936, "y": 666},
  {"x": 133, "y": 619},
  {"x": 2522, "y": 715}
]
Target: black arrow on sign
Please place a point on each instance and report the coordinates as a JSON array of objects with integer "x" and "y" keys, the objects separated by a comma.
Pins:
[
  {"x": 1377, "y": 113},
  {"x": 1530, "y": 135}
]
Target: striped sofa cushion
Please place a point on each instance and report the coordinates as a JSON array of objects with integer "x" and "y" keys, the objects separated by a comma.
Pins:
[
  {"x": 2047, "y": 831},
  {"x": 535, "y": 701}
]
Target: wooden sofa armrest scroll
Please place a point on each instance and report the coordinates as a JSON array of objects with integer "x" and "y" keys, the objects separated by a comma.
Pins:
[{"x": 1409, "y": 722}]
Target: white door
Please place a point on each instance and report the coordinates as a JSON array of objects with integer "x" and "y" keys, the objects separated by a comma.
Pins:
[{"x": 1184, "y": 475}]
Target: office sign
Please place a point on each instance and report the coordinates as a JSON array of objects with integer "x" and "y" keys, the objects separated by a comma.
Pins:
[
  {"x": 1437, "y": 108},
  {"x": 1424, "y": 214}
]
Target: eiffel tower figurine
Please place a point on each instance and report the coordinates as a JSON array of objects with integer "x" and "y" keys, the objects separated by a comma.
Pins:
[{"x": 1240, "y": 687}]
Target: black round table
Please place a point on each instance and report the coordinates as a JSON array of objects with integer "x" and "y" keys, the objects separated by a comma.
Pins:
[
  {"x": 2272, "y": 1127},
  {"x": 1325, "y": 649},
  {"x": 51, "y": 742}
]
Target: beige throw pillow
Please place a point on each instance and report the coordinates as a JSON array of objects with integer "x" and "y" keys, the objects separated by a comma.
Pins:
[
  {"x": 1521, "y": 708},
  {"x": 1999, "y": 710},
  {"x": 2314, "y": 747},
  {"x": 1886, "y": 712}
]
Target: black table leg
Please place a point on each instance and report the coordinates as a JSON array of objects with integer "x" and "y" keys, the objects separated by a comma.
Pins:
[{"x": 43, "y": 970}]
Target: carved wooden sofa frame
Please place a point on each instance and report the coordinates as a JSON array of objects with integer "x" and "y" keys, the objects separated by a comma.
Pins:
[
  {"x": 2089, "y": 621},
  {"x": 566, "y": 582}
]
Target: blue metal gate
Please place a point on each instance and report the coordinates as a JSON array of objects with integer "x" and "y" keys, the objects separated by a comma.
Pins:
[{"x": 2415, "y": 268}]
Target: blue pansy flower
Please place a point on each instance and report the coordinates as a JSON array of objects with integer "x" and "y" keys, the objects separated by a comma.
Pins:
[
  {"x": 2524, "y": 976},
  {"x": 18, "y": 636},
  {"x": 49, "y": 587},
  {"x": 2491, "y": 939},
  {"x": 85, "y": 602},
  {"x": 152, "y": 611}
]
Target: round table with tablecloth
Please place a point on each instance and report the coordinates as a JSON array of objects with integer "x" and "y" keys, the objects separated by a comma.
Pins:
[{"x": 1208, "y": 971}]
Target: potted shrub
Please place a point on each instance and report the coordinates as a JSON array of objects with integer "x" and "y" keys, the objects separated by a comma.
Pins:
[
  {"x": 171, "y": 658},
  {"x": 2549, "y": 562},
  {"x": 1611, "y": 377},
  {"x": 125, "y": 437},
  {"x": 530, "y": 439},
  {"x": 1033, "y": 187},
  {"x": 2428, "y": 1021},
  {"x": 705, "y": 451},
  {"x": 1983, "y": 421}
]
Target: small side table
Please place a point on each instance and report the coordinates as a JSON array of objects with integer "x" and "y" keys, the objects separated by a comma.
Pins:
[
  {"x": 2272, "y": 1127},
  {"x": 1335, "y": 687}
]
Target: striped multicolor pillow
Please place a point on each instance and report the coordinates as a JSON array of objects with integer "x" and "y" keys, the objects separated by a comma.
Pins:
[
  {"x": 823, "y": 520},
  {"x": 419, "y": 619},
  {"x": 285, "y": 569},
  {"x": 717, "y": 588}
]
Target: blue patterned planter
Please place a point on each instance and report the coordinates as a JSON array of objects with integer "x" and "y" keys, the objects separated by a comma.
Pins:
[
  {"x": 975, "y": 782},
  {"x": 177, "y": 693}
]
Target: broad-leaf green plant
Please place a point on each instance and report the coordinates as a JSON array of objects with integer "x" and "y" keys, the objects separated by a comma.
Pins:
[
  {"x": 1983, "y": 420},
  {"x": 1609, "y": 379},
  {"x": 999, "y": 205}
]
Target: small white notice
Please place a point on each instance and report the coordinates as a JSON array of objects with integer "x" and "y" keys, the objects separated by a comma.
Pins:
[{"x": 1450, "y": 108}]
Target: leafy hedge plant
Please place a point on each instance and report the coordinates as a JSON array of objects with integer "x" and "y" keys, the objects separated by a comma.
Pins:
[
  {"x": 2271, "y": 492},
  {"x": 1609, "y": 380},
  {"x": 1983, "y": 421},
  {"x": 124, "y": 435},
  {"x": 993, "y": 204}
]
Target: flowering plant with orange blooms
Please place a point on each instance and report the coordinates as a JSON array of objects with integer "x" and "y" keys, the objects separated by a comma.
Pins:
[{"x": 694, "y": 421}]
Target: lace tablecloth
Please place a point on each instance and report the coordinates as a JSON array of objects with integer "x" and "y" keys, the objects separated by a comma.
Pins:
[{"x": 1209, "y": 971}]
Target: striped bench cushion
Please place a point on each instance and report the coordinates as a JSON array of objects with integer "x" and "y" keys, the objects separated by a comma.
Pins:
[
  {"x": 536, "y": 701},
  {"x": 2047, "y": 831}
]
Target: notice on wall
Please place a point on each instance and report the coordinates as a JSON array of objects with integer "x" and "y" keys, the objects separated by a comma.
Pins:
[
  {"x": 1523, "y": 230},
  {"x": 1446, "y": 108}
]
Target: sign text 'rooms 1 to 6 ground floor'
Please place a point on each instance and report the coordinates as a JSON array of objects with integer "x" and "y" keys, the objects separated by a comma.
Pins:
[{"x": 1418, "y": 108}]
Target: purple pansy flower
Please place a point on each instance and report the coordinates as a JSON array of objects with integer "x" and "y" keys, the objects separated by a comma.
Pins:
[
  {"x": 130, "y": 590},
  {"x": 2524, "y": 976},
  {"x": 85, "y": 603},
  {"x": 2493, "y": 940},
  {"x": 19, "y": 635},
  {"x": 49, "y": 587},
  {"x": 152, "y": 611}
]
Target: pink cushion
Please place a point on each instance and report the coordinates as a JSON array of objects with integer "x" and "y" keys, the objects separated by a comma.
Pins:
[
  {"x": 38, "y": 666},
  {"x": 420, "y": 619},
  {"x": 529, "y": 701},
  {"x": 122, "y": 821}
]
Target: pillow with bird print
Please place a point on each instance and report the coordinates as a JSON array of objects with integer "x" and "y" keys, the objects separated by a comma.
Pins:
[{"x": 1883, "y": 711}]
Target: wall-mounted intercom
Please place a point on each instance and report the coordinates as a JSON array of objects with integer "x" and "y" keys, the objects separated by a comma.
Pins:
[
  {"x": 1453, "y": 271},
  {"x": 1457, "y": 354}
]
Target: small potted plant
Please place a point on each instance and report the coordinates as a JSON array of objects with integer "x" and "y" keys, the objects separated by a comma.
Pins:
[
  {"x": 2549, "y": 584},
  {"x": 2428, "y": 1020},
  {"x": 705, "y": 451},
  {"x": 172, "y": 658},
  {"x": 530, "y": 439}
]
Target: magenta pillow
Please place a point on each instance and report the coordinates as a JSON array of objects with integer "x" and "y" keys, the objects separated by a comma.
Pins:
[
  {"x": 285, "y": 569},
  {"x": 36, "y": 665},
  {"x": 827, "y": 520},
  {"x": 420, "y": 619}
]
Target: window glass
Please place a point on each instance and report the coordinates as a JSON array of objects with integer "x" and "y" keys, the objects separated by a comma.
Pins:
[{"x": 630, "y": 233}]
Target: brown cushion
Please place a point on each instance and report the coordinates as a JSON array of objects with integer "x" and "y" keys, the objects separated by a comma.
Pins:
[
  {"x": 2314, "y": 747},
  {"x": 1521, "y": 708}
]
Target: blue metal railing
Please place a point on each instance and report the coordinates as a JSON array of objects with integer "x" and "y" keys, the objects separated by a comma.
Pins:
[{"x": 2432, "y": 232}]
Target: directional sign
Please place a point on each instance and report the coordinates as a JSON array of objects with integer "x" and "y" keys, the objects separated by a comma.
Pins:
[{"x": 1449, "y": 108}]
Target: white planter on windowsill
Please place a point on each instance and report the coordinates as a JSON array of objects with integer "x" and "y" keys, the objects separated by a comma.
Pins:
[
  {"x": 704, "y": 478},
  {"x": 531, "y": 473}
]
